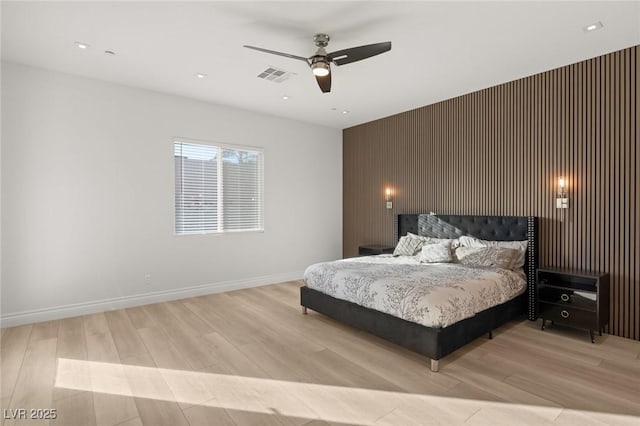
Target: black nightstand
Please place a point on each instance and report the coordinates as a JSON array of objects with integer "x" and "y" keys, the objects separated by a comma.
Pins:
[
  {"x": 573, "y": 298},
  {"x": 372, "y": 249}
]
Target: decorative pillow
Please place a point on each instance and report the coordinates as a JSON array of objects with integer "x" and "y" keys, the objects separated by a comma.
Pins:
[
  {"x": 436, "y": 253},
  {"x": 487, "y": 256},
  {"x": 408, "y": 246},
  {"x": 426, "y": 240},
  {"x": 521, "y": 246}
]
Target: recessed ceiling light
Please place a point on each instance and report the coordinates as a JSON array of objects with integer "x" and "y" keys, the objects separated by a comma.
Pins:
[
  {"x": 345, "y": 112},
  {"x": 593, "y": 27},
  {"x": 285, "y": 97},
  {"x": 80, "y": 45},
  {"x": 109, "y": 52},
  {"x": 201, "y": 75}
]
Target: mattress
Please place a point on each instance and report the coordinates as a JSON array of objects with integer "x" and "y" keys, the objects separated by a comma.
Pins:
[{"x": 433, "y": 295}]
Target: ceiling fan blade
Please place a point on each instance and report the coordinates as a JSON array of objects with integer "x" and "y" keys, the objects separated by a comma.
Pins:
[
  {"x": 273, "y": 52},
  {"x": 346, "y": 56},
  {"x": 324, "y": 82}
]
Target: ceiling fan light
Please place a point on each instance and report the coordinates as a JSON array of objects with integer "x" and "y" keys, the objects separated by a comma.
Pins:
[{"x": 320, "y": 69}]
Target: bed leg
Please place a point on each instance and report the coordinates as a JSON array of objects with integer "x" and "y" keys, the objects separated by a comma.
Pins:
[
  {"x": 490, "y": 334},
  {"x": 304, "y": 310},
  {"x": 434, "y": 365}
]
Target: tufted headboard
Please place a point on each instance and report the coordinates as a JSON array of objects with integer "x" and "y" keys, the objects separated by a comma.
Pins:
[{"x": 496, "y": 228}]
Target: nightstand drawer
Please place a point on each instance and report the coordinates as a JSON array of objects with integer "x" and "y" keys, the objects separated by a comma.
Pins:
[
  {"x": 575, "y": 282},
  {"x": 567, "y": 315},
  {"x": 570, "y": 298}
]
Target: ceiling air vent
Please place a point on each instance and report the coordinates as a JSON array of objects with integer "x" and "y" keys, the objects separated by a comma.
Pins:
[{"x": 276, "y": 75}]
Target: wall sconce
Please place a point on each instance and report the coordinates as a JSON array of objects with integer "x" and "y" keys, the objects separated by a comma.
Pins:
[
  {"x": 562, "y": 200},
  {"x": 387, "y": 197}
]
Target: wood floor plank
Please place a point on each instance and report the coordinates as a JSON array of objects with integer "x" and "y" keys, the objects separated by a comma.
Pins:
[
  {"x": 222, "y": 315},
  {"x": 117, "y": 405},
  {"x": 617, "y": 384},
  {"x": 14, "y": 346},
  {"x": 249, "y": 400},
  {"x": 427, "y": 413},
  {"x": 125, "y": 337},
  {"x": 75, "y": 410},
  {"x": 248, "y": 418},
  {"x": 192, "y": 388},
  {"x": 272, "y": 358},
  {"x": 563, "y": 391},
  {"x": 473, "y": 374},
  {"x": 154, "y": 400},
  {"x": 34, "y": 387},
  {"x": 471, "y": 392},
  {"x": 4, "y": 405},
  {"x": 577, "y": 342},
  {"x": 489, "y": 416},
  {"x": 185, "y": 340},
  {"x": 162, "y": 350},
  {"x": 139, "y": 317},
  {"x": 330, "y": 367},
  {"x": 196, "y": 324},
  {"x": 572, "y": 418},
  {"x": 45, "y": 330},
  {"x": 204, "y": 416},
  {"x": 96, "y": 324},
  {"x": 232, "y": 358},
  {"x": 281, "y": 330},
  {"x": 611, "y": 419},
  {"x": 132, "y": 422},
  {"x": 72, "y": 344}
]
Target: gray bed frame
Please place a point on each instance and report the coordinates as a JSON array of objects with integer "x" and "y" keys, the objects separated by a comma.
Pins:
[{"x": 436, "y": 343}]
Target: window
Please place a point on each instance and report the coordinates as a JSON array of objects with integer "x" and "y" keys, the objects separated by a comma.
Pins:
[{"x": 218, "y": 188}]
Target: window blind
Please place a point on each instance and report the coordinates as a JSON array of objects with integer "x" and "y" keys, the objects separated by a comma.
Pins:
[{"x": 217, "y": 188}]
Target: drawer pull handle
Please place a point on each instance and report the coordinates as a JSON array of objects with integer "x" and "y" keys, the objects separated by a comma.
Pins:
[
  {"x": 564, "y": 297},
  {"x": 564, "y": 314}
]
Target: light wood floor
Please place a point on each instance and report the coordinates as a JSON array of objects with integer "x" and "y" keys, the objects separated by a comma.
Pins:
[{"x": 249, "y": 357}]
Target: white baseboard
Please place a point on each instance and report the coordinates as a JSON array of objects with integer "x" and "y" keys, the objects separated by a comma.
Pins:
[{"x": 67, "y": 311}]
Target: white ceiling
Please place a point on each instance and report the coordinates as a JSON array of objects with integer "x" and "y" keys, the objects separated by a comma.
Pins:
[{"x": 440, "y": 49}]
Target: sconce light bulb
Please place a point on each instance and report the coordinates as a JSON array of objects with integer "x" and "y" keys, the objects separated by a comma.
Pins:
[
  {"x": 387, "y": 197},
  {"x": 561, "y": 183}
]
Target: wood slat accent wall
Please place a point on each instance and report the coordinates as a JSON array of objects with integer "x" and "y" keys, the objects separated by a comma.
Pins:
[{"x": 500, "y": 151}]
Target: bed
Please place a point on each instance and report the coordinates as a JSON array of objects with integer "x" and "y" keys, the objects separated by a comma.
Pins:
[{"x": 434, "y": 335}]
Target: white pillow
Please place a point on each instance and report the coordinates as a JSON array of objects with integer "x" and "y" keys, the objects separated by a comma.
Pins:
[
  {"x": 436, "y": 253},
  {"x": 521, "y": 246},
  {"x": 498, "y": 257}
]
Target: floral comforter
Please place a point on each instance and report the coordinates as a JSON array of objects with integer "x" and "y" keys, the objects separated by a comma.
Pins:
[{"x": 434, "y": 295}]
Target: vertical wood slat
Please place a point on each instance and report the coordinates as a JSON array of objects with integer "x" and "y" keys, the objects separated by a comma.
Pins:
[{"x": 500, "y": 151}]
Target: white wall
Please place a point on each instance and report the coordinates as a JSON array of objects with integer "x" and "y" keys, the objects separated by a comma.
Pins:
[{"x": 87, "y": 197}]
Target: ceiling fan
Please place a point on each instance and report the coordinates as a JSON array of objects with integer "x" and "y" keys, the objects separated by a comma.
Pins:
[{"x": 320, "y": 63}]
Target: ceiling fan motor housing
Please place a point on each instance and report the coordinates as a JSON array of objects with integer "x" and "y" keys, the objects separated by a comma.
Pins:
[{"x": 322, "y": 40}]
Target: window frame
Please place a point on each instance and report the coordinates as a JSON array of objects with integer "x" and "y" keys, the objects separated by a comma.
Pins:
[{"x": 220, "y": 147}]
